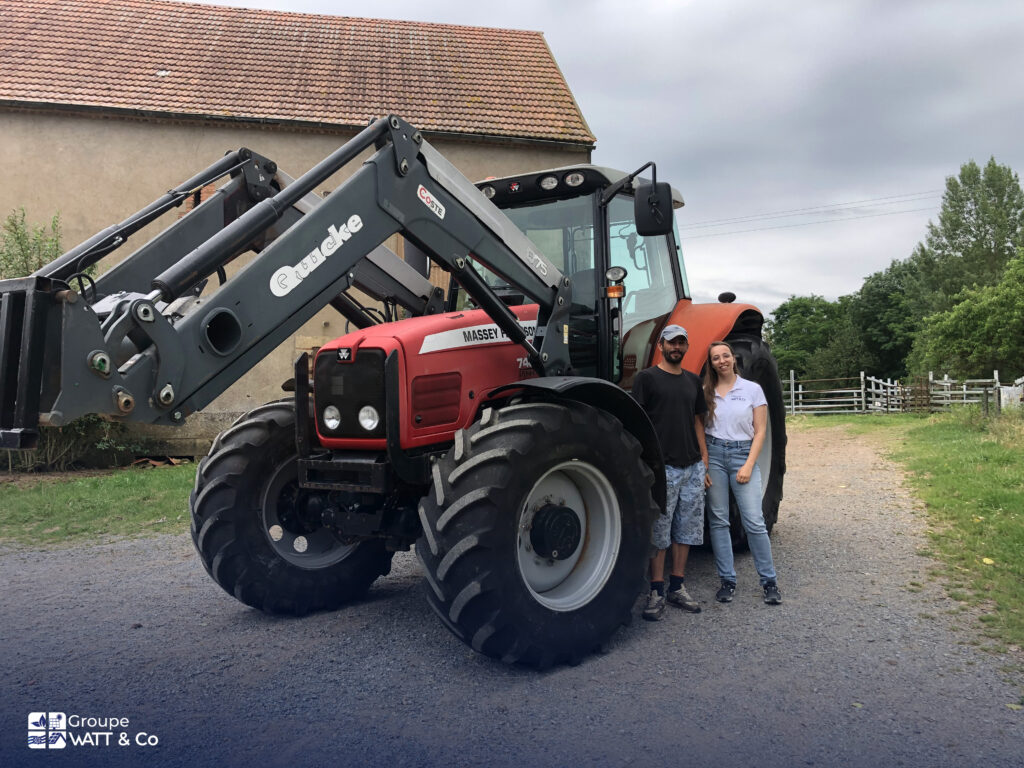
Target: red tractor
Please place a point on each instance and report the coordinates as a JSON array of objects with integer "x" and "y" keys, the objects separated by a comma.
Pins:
[{"x": 491, "y": 426}]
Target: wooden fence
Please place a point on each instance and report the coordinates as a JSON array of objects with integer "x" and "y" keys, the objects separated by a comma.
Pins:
[{"x": 867, "y": 394}]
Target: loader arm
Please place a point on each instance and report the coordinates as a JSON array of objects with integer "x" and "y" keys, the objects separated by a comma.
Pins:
[{"x": 139, "y": 344}]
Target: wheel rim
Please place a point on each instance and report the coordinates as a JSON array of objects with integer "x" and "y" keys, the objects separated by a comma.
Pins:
[
  {"x": 573, "y": 581},
  {"x": 302, "y": 541}
]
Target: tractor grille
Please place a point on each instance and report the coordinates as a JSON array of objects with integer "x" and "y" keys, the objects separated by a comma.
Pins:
[{"x": 349, "y": 386}]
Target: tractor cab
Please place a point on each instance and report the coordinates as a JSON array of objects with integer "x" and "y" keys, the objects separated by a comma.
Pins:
[{"x": 590, "y": 222}]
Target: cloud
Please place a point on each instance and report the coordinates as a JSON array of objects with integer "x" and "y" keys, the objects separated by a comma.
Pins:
[{"x": 750, "y": 107}]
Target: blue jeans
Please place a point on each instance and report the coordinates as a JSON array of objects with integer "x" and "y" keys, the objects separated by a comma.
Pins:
[{"x": 726, "y": 457}]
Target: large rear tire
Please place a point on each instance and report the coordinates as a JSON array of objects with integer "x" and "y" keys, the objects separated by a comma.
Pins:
[
  {"x": 536, "y": 535},
  {"x": 756, "y": 363},
  {"x": 254, "y": 532}
]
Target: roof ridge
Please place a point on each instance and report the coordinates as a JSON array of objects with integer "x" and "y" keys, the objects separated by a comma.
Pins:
[{"x": 268, "y": 11}]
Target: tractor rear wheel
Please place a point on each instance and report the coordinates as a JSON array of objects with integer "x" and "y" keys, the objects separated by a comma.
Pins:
[
  {"x": 536, "y": 534},
  {"x": 756, "y": 363},
  {"x": 255, "y": 532}
]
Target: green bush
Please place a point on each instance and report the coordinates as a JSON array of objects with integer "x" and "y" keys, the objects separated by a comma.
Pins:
[
  {"x": 88, "y": 441},
  {"x": 25, "y": 248}
]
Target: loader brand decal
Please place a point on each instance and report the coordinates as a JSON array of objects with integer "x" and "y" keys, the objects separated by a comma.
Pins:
[
  {"x": 430, "y": 201},
  {"x": 472, "y": 336},
  {"x": 286, "y": 278}
]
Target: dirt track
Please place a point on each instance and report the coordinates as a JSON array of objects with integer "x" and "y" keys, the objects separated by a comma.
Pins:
[{"x": 854, "y": 669}]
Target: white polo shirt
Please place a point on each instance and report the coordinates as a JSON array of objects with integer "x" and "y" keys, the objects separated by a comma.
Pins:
[{"x": 734, "y": 413}]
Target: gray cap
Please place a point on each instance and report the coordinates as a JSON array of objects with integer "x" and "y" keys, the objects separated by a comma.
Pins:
[{"x": 674, "y": 332}]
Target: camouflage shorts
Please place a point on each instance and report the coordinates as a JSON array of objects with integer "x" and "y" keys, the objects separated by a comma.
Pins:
[{"x": 684, "y": 521}]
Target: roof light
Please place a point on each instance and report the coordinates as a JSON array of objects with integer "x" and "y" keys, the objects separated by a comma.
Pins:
[
  {"x": 548, "y": 183},
  {"x": 488, "y": 191},
  {"x": 574, "y": 179}
]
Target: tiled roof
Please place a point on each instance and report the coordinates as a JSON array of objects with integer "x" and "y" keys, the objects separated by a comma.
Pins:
[{"x": 158, "y": 57}]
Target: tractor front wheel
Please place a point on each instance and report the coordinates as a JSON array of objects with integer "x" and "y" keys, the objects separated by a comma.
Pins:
[
  {"x": 256, "y": 532},
  {"x": 537, "y": 532}
]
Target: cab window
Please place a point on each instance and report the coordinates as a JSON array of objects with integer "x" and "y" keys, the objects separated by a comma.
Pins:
[{"x": 650, "y": 285}]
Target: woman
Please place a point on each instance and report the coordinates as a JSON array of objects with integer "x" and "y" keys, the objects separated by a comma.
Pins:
[{"x": 735, "y": 427}]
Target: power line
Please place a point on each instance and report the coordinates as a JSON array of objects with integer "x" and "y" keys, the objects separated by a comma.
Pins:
[
  {"x": 831, "y": 208},
  {"x": 808, "y": 223}
]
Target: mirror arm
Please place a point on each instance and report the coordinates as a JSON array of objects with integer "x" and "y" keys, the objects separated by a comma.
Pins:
[{"x": 621, "y": 184}]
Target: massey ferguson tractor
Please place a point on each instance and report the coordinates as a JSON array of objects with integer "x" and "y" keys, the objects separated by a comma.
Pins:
[{"x": 489, "y": 425}]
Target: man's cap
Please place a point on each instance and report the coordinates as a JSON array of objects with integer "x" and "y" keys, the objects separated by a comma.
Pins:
[{"x": 674, "y": 332}]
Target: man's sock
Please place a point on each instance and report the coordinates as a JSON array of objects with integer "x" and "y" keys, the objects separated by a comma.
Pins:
[
  {"x": 675, "y": 582},
  {"x": 659, "y": 587}
]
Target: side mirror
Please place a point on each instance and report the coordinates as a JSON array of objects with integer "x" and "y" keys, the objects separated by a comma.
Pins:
[{"x": 652, "y": 209}]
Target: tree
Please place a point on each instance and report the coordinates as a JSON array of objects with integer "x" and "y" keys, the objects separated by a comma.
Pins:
[
  {"x": 983, "y": 331},
  {"x": 980, "y": 228},
  {"x": 798, "y": 328},
  {"x": 846, "y": 353},
  {"x": 886, "y": 313}
]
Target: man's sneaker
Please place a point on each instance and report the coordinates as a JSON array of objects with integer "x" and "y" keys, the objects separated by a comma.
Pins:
[
  {"x": 682, "y": 598},
  {"x": 725, "y": 592},
  {"x": 655, "y": 606},
  {"x": 772, "y": 596}
]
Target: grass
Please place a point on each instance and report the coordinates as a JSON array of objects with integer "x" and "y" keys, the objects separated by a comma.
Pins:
[
  {"x": 969, "y": 472},
  {"x": 125, "y": 502}
]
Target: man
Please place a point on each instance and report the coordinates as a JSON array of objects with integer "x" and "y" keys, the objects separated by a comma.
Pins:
[{"x": 674, "y": 399}]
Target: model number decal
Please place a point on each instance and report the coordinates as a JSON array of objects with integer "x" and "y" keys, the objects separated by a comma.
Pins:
[
  {"x": 430, "y": 201},
  {"x": 536, "y": 262},
  {"x": 286, "y": 278}
]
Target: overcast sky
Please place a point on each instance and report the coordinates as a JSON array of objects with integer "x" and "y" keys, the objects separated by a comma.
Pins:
[{"x": 856, "y": 110}]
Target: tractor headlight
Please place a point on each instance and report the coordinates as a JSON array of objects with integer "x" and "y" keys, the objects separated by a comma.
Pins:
[
  {"x": 332, "y": 417},
  {"x": 368, "y": 418}
]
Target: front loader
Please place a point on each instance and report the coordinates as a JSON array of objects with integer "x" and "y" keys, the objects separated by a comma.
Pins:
[{"x": 490, "y": 426}]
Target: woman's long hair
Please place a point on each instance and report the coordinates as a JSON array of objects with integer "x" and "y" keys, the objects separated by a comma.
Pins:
[{"x": 711, "y": 379}]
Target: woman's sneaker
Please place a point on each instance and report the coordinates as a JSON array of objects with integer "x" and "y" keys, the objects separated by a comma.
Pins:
[
  {"x": 725, "y": 592},
  {"x": 683, "y": 599},
  {"x": 772, "y": 596}
]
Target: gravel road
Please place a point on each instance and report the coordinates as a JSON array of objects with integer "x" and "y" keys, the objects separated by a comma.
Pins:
[{"x": 855, "y": 668}]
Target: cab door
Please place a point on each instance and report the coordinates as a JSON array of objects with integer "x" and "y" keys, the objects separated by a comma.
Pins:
[{"x": 654, "y": 284}]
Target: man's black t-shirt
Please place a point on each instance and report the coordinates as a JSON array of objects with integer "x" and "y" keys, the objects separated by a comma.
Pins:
[{"x": 672, "y": 400}]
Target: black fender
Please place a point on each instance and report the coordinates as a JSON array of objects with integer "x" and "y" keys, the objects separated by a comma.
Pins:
[{"x": 611, "y": 398}]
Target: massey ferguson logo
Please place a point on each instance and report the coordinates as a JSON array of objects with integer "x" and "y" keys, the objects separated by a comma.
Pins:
[
  {"x": 430, "y": 202},
  {"x": 286, "y": 278}
]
